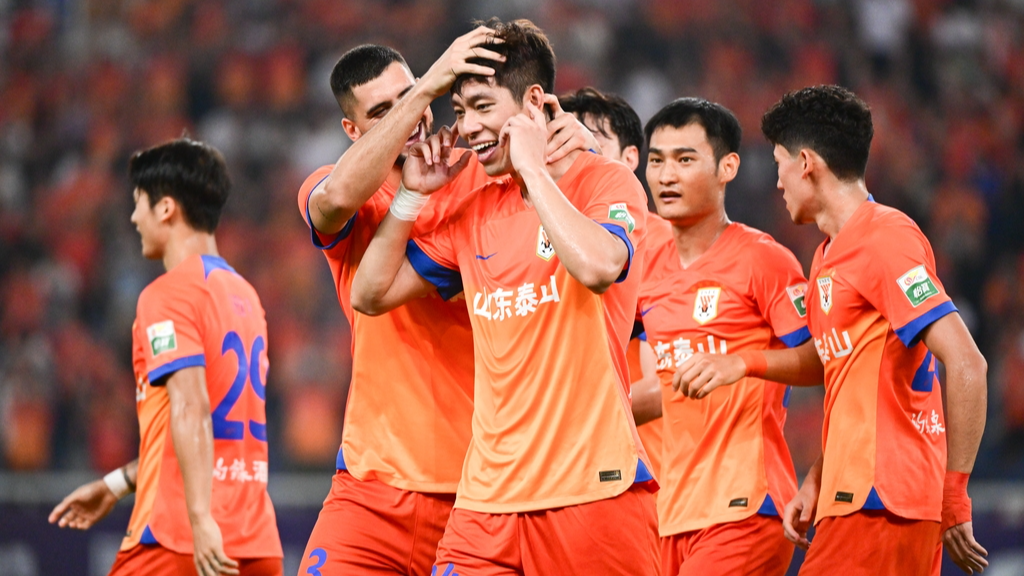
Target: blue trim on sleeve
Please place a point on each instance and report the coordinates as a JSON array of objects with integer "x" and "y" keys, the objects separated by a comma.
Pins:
[
  {"x": 873, "y": 502},
  {"x": 642, "y": 473},
  {"x": 642, "y": 336},
  {"x": 342, "y": 234},
  {"x": 339, "y": 463},
  {"x": 924, "y": 377},
  {"x": 148, "y": 537},
  {"x": 796, "y": 337},
  {"x": 448, "y": 281},
  {"x": 768, "y": 507},
  {"x": 211, "y": 263},
  {"x": 173, "y": 366},
  {"x": 909, "y": 333},
  {"x": 786, "y": 395},
  {"x": 621, "y": 233}
]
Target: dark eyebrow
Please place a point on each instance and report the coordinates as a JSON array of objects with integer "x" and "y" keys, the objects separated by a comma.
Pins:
[
  {"x": 674, "y": 151},
  {"x": 387, "y": 104}
]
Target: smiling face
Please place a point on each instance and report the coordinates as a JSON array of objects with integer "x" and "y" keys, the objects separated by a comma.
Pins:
[
  {"x": 377, "y": 97},
  {"x": 797, "y": 189},
  {"x": 683, "y": 175},
  {"x": 481, "y": 111}
]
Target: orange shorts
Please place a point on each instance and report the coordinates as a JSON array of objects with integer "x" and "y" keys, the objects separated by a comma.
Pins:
[
  {"x": 614, "y": 536},
  {"x": 752, "y": 546},
  {"x": 372, "y": 528},
  {"x": 155, "y": 560},
  {"x": 875, "y": 543}
]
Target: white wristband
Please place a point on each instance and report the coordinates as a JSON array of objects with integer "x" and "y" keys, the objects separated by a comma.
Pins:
[
  {"x": 408, "y": 203},
  {"x": 117, "y": 483}
]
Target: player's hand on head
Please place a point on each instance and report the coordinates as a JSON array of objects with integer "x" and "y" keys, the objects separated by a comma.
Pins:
[
  {"x": 456, "y": 60},
  {"x": 208, "y": 549},
  {"x": 566, "y": 134},
  {"x": 701, "y": 373},
  {"x": 427, "y": 166},
  {"x": 798, "y": 515},
  {"x": 963, "y": 549},
  {"x": 84, "y": 507},
  {"x": 526, "y": 136}
]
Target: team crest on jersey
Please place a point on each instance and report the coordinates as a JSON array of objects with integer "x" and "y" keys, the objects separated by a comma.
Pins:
[
  {"x": 796, "y": 295},
  {"x": 620, "y": 213},
  {"x": 705, "y": 305},
  {"x": 544, "y": 248},
  {"x": 917, "y": 286},
  {"x": 825, "y": 293},
  {"x": 162, "y": 337}
]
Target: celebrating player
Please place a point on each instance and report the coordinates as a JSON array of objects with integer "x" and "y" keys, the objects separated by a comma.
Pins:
[
  {"x": 407, "y": 422},
  {"x": 199, "y": 339},
  {"x": 715, "y": 286},
  {"x": 544, "y": 257},
  {"x": 892, "y": 483}
]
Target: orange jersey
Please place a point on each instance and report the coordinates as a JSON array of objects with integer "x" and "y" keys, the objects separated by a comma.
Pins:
[
  {"x": 871, "y": 294},
  {"x": 650, "y": 433},
  {"x": 552, "y": 425},
  {"x": 725, "y": 457},
  {"x": 202, "y": 313},
  {"x": 410, "y": 401}
]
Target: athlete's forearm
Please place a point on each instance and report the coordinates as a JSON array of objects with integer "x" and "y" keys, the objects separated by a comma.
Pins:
[
  {"x": 381, "y": 282},
  {"x": 646, "y": 392},
  {"x": 591, "y": 254},
  {"x": 364, "y": 167},
  {"x": 798, "y": 366},
  {"x": 813, "y": 477},
  {"x": 192, "y": 435},
  {"x": 131, "y": 472}
]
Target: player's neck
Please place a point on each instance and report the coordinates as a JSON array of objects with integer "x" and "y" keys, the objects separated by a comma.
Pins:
[
  {"x": 694, "y": 239},
  {"x": 838, "y": 203},
  {"x": 185, "y": 242}
]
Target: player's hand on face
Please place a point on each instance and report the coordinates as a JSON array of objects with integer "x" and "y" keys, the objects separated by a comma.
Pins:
[
  {"x": 963, "y": 549},
  {"x": 84, "y": 507},
  {"x": 208, "y": 556},
  {"x": 699, "y": 374},
  {"x": 526, "y": 135},
  {"x": 566, "y": 133},
  {"x": 798, "y": 516},
  {"x": 427, "y": 166},
  {"x": 455, "y": 60}
]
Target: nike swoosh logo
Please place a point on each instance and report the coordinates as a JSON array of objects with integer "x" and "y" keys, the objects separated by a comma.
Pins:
[
  {"x": 488, "y": 257},
  {"x": 642, "y": 312}
]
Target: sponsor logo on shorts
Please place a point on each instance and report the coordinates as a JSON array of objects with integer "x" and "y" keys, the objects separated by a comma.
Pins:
[
  {"x": 844, "y": 497},
  {"x": 610, "y": 475},
  {"x": 738, "y": 503},
  {"x": 917, "y": 286},
  {"x": 162, "y": 337}
]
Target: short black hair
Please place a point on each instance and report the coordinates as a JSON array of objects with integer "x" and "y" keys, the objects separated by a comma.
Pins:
[
  {"x": 529, "y": 58},
  {"x": 623, "y": 120},
  {"x": 830, "y": 120},
  {"x": 720, "y": 124},
  {"x": 193, "y": 173},
  {"x": 357, "y": 67}
]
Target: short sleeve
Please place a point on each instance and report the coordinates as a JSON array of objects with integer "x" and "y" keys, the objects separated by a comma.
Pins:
[
  {"x": 899, "y": 280},
  {"x": 320, "y": 240},
  {"x": 619, "y": 204},
  {"x": 779, "y": 287},
  {"x": 169, "y": 330},
  {"x": 434, "y": 256}
]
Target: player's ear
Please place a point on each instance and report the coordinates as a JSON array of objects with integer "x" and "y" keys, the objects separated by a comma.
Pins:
[
  {"x": 534, "y": 95},
  {"x": 165, "y": 209},
  {"x": 728, "y": 167},
  {"x": 807, "y": 161},
  {"x": 631, "y": 156},
  {"x": 351, "y": 130}
]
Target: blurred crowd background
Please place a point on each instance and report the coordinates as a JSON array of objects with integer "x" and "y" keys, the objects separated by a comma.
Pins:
[{"x": 85, "y": 83}]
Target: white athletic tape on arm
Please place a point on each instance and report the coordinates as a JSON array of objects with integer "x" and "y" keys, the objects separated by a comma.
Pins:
[
  {"x": 117, "y": 483},
  {"x": 408, "y": 204}
]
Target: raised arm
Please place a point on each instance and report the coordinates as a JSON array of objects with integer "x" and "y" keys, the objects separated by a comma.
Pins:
[
  {"x": 702, "y": 373},
  {"x": 966, "y": 392},
  {"x": 192, "y": 435},
  {"x": 588, "y": 251},
  {"x": 366, "y": 164}
]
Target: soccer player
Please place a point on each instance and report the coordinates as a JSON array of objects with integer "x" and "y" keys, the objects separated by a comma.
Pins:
[
  {"x": 555, "y": 477},
  {"x": 891, "y": 485},
  {"x": 717, "y": 286},
  {"x": 617, "y": 127},
  {"x": 199, "y": 340},
  {"x": 407, "y": 421}
]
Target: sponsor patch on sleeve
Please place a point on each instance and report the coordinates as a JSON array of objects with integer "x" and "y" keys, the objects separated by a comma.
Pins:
[
  {"x": 620, "y": 213},
  {"x": 162, "y": 337},
  {"x": 917, "y": 286},
  {"x": 796, "y": 294}
]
